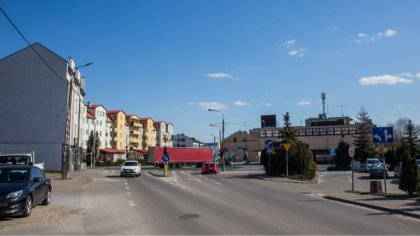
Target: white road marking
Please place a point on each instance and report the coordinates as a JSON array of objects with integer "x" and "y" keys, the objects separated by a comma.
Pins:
[
  {"x": 126, "y": 187},
  {"x": 125, "y": 183},
  {"x": 108, "y": 180},
  {"x": 218, "y": 183},
  {"x": 131, "y": 203},
  {"x": 191, "y": 179}
]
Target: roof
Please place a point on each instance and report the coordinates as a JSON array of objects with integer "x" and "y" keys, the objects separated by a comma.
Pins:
[
  {"x": 33, "y": 47},
  {"x": 89, "y": 115},
  {"x": 95, "y": 106},
  {"x": 128, "y": 116},
  {"x": 115, "y": 112},
  {"x": 111, "y": 150},
  {"x": 140, "y": 150},
  {"x": 146, "y": 118}
]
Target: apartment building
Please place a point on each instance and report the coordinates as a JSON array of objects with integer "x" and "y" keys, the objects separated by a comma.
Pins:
[
  {"x": 118, "y": 131},
  {"x": 149, "y": 133},
  {"x": 136, "y": 132},
  {"x": 96, "y": 122}
]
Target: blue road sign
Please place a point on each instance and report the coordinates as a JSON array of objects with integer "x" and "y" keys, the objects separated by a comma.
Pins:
[
  {"x": 165, "y": 158},
  {"x": 332, "y": 151},
  {"x": 383, "y": 134},
  {"x": 269, "y": 146}
]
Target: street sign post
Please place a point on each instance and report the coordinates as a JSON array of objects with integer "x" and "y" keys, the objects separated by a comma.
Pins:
[
  {"x": 351, "y": 153},
  {"x": 269, "y": 150},
  {"x": 383, "y": 135},
  {"x": 286, "y": 147},
  {"x": 165, "y": 159}
]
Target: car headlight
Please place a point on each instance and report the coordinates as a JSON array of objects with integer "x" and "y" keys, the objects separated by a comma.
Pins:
[{"x": 14, "y": 195}]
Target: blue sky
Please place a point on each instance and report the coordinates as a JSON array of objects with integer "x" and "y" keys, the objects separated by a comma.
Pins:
[{"x": 172, "y": 60}]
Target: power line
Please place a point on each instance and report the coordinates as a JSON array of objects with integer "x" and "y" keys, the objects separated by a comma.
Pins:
[{"x": 33, "y": 49}]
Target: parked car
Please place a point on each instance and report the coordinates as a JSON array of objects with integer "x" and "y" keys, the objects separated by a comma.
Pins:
[
  {"x": 371, "y": 162},
  {"x": 22, "y": 188},
  {"x": 209, "y": 167},
  {"x": 377, "y": 171},
  {"x": 130, "y": 168},
  {"x": 398, "y": 168}
]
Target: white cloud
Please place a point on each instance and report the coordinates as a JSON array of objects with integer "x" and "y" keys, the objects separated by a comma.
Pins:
[
  {"x": 304, "y": 102},
  {"x": 220, "y": 76},
  {"x": 406, "y": 74},
  {"x": 212, "y": 105},
  {"x": 289, "y": 43},
  {"x": 417, "y": 75},
  {"x": 384, "y": 79},
  {"x": 190, "y": 103},
  {"x": 268, "y": 104},
  {"x": 362, "y": 37},
  {"x": 403, "y": 106},
  {"x": 240, "y": 103},
  {"x": 297, "y": 53}
]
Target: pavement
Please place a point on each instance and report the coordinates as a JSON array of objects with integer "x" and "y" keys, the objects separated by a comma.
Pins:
[{"x": 69, "y": 192}]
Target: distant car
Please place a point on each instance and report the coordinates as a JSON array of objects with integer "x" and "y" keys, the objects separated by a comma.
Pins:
[
  {"x": 22, "y": 188},
  {"x": 371, "y": 162},
  {"x": 209, "y": 167},
  {"x": 130, "y": 168},
  {"x": 377, "y": 171}
]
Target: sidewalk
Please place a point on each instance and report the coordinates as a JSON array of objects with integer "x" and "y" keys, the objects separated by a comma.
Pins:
[{"x": 399, "y": 204}]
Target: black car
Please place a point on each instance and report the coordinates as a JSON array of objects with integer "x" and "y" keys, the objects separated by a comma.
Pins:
[{"x": 21, "y": 188}]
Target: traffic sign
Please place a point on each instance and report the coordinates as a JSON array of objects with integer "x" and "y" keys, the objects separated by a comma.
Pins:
[
  {"x": 269, "y": 146},
  {"x": 383, "y": 134},
  {"x": 287, "y": 146},
  {"x": 165, "y": 158},
  {"x": 332, "y": 151},
  {"x": 352, "y": 152}
]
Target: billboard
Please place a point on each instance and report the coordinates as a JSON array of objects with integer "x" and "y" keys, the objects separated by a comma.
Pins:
[{"x": 268, "y": 121}]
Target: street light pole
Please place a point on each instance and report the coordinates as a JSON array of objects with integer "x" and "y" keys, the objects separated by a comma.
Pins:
[{"x": 223, "y": 134}]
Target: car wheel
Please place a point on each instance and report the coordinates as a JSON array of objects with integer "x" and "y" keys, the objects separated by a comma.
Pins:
[
  {"x": 27, "y": 210},
  {"x": 121, "y": 175},
  {"x": 47, "y": 199}
]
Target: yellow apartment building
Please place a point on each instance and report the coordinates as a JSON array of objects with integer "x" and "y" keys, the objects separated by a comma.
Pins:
[
  {"x": 136, "y": 132},
  {"x": 118, "y": 129},
  {"x": 148, "y": 133}
]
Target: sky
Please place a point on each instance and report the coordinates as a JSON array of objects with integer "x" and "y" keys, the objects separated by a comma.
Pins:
[{"x": 172, "y": 60}]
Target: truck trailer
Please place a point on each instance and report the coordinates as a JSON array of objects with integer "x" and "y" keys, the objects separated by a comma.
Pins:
[{"x": 179, "y": 156}]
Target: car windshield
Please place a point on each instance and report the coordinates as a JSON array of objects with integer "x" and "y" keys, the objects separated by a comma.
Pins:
[
  {"x": 14, "y": 175},
  {"x": 13, "y": 160},
  {"x": 209, "y": 164},
  {"x": 131, "y": 163},
  {"x": 373, "y": 161}
]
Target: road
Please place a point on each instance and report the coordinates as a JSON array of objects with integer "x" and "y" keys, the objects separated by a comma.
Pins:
[{"x": 228, "y": 203}]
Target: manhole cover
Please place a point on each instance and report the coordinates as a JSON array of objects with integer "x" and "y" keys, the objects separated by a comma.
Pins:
[{"x": 188, "y": 216}]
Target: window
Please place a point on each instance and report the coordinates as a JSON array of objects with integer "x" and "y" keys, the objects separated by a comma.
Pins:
[{"x": 234, "y": 140}]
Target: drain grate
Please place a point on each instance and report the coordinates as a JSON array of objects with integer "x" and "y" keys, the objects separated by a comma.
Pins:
[{"x": 188, "y": 216}]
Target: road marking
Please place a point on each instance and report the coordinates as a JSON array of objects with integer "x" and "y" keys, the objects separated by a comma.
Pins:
[
  {"x": 125, "y": 183},
  {"x": 131, "y": 203},
  {"x": 126, "y": 187},
  {"x": 349, "y": 178},
  {"x": 198, "y": 180},
  {"x": 218, "y": 183},
  {"x": 108, "y": 180}
]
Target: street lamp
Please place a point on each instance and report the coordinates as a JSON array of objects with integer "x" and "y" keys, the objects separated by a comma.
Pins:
[
  {"x": 214, "y": 148},
  {"x": 87, "y": 64},
  {"x": 220, "y": 136}
]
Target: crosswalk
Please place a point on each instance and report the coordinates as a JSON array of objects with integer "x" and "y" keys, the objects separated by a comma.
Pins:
[{"x": 190, "y": 176}]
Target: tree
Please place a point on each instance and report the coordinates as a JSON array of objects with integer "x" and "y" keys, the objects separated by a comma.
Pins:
[
  {"x": 409, "y": 180},
  {"x": 363, "y": 140},
  {"x": 410, "y": 138},
  {"x": 91, "y": 146},
  {"x": 342, "y": 158},
  {"x": 300, "y": 158}
]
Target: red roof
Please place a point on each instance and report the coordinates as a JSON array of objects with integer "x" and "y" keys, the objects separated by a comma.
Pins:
[
  {"x": 111, "y": 150},
  {"x": 146, "y": 118},
  {"x": 115, "y": 112},
  {"x": 89, "y": 115},
  {"x": 140, "y": 150}
]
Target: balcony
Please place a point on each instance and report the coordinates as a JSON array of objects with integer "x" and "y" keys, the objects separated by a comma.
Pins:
[
  {"x": 135, "y": 132},
  {"x": 135, "y": 124}
]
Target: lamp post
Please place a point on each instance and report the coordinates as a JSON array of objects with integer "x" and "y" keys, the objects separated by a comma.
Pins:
[
  {"x": 223, "y": 135},
  {"x": 220, "y": 136},
  {"x": 214, "y": 148}
]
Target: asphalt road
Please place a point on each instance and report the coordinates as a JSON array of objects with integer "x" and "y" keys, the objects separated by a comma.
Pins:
[
  {"x": 190, "y": 203},
  {"x": 229, "y": 203}
]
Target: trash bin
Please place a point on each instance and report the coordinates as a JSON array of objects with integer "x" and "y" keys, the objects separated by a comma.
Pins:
[{"x": 375, "y": 186}]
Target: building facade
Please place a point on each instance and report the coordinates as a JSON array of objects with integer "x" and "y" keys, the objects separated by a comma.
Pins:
[
  {"x": 118, "y": 131},
  {"x": 148, "y": 133},
  {"x": 43, "y": 112},
  {"x": 182, "y": 140}
]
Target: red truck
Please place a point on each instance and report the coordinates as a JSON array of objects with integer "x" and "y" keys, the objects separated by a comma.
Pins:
[{"x": 178, "y": 156}]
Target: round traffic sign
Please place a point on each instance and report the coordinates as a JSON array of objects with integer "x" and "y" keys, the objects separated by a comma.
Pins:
[{"x": 351, "y": 152}]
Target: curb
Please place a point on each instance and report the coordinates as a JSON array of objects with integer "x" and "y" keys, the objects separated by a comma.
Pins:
[{"x": 379, "y": 208}]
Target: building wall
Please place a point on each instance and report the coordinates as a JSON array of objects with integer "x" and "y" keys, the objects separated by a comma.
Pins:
[
  {"x": 148, "y": 133},
  {"x": 135, "y": 135},
  {"x": 119, "y": 120},
  {"x": 34, "y": 105},
  {"x": 99, "y": 125}
]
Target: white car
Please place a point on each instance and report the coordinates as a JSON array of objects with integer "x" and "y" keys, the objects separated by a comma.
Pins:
[
  {"x": 370, "y": 162},
  {"x": 130, "y": 168}
]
